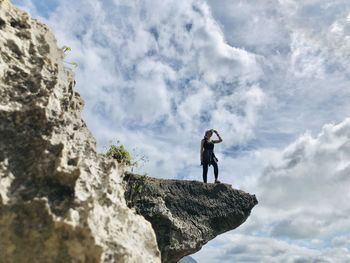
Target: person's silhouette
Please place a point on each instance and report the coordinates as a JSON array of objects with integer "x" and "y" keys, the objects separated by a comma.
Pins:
[{"x": 207, "y": 155}]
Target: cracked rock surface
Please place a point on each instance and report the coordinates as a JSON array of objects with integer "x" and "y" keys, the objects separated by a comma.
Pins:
[{"x": 60, "y": 201}]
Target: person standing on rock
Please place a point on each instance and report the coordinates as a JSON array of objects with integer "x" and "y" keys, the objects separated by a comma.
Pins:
[{"x": 207, "y": 155}]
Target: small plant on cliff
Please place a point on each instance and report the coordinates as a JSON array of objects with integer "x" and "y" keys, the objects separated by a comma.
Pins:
[
  {"x": 119, "y": 153},
  {"x": 138, "y": 185},
  {"x": 66, "y": 49},
  {"x": 139, "y": 161}
]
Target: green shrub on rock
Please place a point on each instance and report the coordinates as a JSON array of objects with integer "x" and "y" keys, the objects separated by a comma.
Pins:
[{"x": 120, "y": 154}]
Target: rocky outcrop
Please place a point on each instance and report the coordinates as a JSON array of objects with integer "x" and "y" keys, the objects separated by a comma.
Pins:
[
  {"x": 59, "y": 200},
  {"x": 186, "y": 214}
]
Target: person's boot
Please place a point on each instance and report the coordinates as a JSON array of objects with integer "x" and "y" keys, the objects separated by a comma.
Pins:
[{"x": 217, "y": 181}]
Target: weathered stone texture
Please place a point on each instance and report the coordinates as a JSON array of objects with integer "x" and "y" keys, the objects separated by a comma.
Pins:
[
  {"x": 186, "y": 214},
  {"x": 59, "y": 200}
]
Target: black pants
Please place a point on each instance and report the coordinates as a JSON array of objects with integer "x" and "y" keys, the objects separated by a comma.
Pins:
[{"x": 205, "y": 170}]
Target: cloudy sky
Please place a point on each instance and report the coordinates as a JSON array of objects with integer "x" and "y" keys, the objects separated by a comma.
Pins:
[{"x": 271, "y": 76}]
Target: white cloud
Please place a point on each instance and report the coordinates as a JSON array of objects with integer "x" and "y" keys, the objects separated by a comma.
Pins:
[
  {"x": 242, "y": 248},
  {"x": 149, "y": 66},
  {"x": 310, "y": 184},
  {"x": 306, "y": 69}
]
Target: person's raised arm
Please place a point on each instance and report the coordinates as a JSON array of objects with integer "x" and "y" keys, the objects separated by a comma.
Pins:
[{"x": 220, "y": 139}]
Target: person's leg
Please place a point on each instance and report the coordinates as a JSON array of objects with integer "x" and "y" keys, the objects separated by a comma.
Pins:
[
  {"x": 205, "y": 172},
  {"x": 216, "y": 170}
]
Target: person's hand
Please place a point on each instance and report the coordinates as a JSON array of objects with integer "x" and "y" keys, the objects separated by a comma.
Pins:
[{"x": 215, "y": 131}]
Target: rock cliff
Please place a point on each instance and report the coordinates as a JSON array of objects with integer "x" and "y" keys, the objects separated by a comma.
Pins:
[
  {"x": 186, "y": 214},
  {"x": 59, "y": 200}
]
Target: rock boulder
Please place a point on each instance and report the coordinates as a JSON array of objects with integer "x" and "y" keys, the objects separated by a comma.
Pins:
[{"x": 186, "y": 214}]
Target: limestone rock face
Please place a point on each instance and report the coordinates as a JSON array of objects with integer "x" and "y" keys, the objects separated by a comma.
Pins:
[
  {"x": 59, "y": 200},
  {"x": 186, "y": 214}
]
